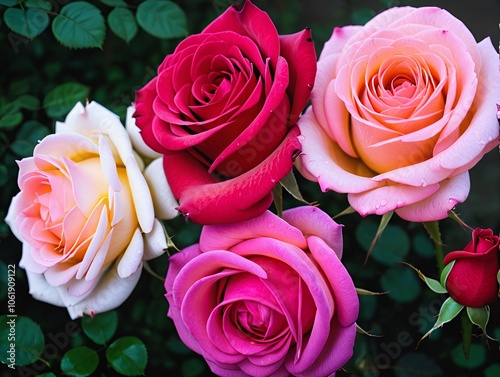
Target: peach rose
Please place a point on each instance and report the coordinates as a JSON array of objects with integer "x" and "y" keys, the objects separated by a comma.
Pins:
[
  {"x": 401, "y": 109},
  {"x": 85, "y": 213}
]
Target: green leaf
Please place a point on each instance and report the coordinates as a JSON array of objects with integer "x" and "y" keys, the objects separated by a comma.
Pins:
[
  {"x": 60, "y": 100},
  {"x": 492, "y": 371},
  {"x": 102, "y": 327},
  {"x": 479, "y": 316},
  {"x": 8, "y": 3},
  {"x": 28, "y": 23},
  {"x": 346, "y": 211},
  {"x": 162, "y": 19},
  {"x": 433, "y": 284},
  {"x": 392, "y": 246},
  {"x": 362, "y": 15},
  {"x": 122, "y": 22},
  {"x": 28, "y": 340},
  {"x": 476, "y": 358},
  {"x": 193, "y": 367},
  {"x": 401, "y": 284},
  {"x": 79, "y": 362},
  {"x": 32, "y": 131},
  {"x": 22, "y": 148},
  {"x": 290, "y": 184},
  {"x": 449, "y": 310},
  {"x": 423, "y": 245},
  {"x": 28, "y": 102},
  {"x": 11, "y": 120},
  {"x": 127, "y": 356},
  {"x": 416, "y": 364},
  {"x": 41, "y": 4},
  {"x": 79, "y": 25},
  {"x": 114, "y": 3}
]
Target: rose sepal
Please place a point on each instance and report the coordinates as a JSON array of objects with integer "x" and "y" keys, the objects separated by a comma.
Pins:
[
  {"x": 433, "y": 284},
  {"x": 449, "y": 310},
  {"x": 444, "y": 274}
]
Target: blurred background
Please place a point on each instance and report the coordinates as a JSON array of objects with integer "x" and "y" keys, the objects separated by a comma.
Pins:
[{"x": 111, "y": 75}]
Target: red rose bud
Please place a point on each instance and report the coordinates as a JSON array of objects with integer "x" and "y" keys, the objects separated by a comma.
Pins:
[{"x": 472, "y": 280}]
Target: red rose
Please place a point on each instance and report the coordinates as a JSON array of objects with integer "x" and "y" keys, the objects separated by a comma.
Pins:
[
  {"x": 223, "y": 110},
  {"x": 472, "y": 280}
]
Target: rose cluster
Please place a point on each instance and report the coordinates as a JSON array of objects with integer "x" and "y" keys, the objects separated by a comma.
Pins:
[{"x": 400, "y": 110}]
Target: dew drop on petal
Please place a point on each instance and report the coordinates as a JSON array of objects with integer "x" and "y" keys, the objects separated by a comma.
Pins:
[
  {"x": 424, "y": 183},
  {"x": 383, "y": 203}
]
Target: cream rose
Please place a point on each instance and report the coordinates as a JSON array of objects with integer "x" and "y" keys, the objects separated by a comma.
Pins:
[{"x": 85, "y": 213}]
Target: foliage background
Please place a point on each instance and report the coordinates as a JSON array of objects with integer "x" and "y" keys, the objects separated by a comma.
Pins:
[{"x": 31, "y": 69}]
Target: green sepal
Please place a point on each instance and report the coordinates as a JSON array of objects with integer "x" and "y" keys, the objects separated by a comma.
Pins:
[
  {"x": 445, "y": 273},
  {"x": 365, "y": 292},
  {"x": 386, "y": 217},
  {"x": 449, "y": 310},
  {"x": 433, "y": 284},
  {"x": 360, "y": 330},
  {"x": 479, "y": 317},
  {"x": 278, "y": 199},
  {"x": 290, "y": 184},
  {"x": 346, "y": 211}
]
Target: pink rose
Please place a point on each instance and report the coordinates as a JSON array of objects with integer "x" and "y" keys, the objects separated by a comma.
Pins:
[
  {"x": 472, "y": 280},
  {"x": 85, "y": 213},
  {"x": 267, "y": 296},
  {"x": 223, "y": 110},
  {"x": 401, "y": 109}
]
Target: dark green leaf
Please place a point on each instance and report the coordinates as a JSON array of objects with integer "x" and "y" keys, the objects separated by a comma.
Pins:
[
  {"x": 392, "y": 246},
  {"x": 162, "y": 19},
  {"x": 278, "y": 199},
  {"x": 28, "y": 102},
  {"x": 60, "y": 100},
  {"x": 22, "y": 148},
  {"x": 79, "y": 25},
  {"x": 29, "y": 340},
  {"x": 416, "y": 364},
  {"x": 114, "y": 3},
  {"x": 401, "y": 283},
  {"x": 492, "y": 371},
  {"x": 122, "y": 22},
  {"x": 28, "y": 23},
  {"x": 477, "y": 356},
  {"x": 32, "y": 131},
  {"x": 41, "y": 4},
  {"x": 362, "y": 15},
  {"x": 423, "y": 245},
  {"x": 193, "y": 367},
  {"x": 79, "y": 362},
  {"x": 127, "y": 356},
  {"x": 433, "y": 284},
  {"x": 9, "y": 121},
  {"x": 8, "y": 3},
  {"x": 102, "y": 327}
]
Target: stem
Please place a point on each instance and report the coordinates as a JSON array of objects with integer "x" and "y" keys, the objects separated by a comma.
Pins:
[
  {"x": 466, "y": 333},
  {"x": 432, "y": 228}
]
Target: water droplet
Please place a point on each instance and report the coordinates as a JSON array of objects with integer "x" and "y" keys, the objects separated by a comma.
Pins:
[
  {"x": 481, "y": 142},
  {"x": 309, "y": 86},
  {"x": 383, "y": 203},
  {"x": 301, "y": 138},
  {"x": 377, "y": 206},
  {"x": 399, "y": 203},
  {"x": 273, "y": 180},
  {"x": 424, "y": 183}
]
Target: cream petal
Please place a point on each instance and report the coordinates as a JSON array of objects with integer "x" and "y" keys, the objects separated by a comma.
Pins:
[
  {"x": 132, "y": 257},
  {"x": 108, "y": 164},
  {"x": 43, "y": 291},
  {"x": 140, "y": 194},
  {"x": 163, "y": 200},
  {"x": 109, "y": 293},
  {"x": 155, "y": 242},
  {"x": 135, "y": 136}
]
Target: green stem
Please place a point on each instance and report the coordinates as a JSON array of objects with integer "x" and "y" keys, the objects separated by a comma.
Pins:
[
  {"x": 432, "y": 228},
  {"x": 466, "y": 333}
]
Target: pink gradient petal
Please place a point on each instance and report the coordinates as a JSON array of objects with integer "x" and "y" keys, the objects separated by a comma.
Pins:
[
  {"x": 312, "y": 221},
  {"x": 436, "y": 207}
]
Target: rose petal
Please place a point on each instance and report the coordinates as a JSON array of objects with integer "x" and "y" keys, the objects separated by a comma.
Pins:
[{"x": 164, "y": 202}]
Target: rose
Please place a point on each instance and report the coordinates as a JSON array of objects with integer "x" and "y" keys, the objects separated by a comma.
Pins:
[
  {"x": 266, "y": 296},
  {"x": 472, "y": 280},
  {"x": 402, "y": 108},
  {"x": 85, "y": 213},
  {"x": 223, "y": 108}
]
